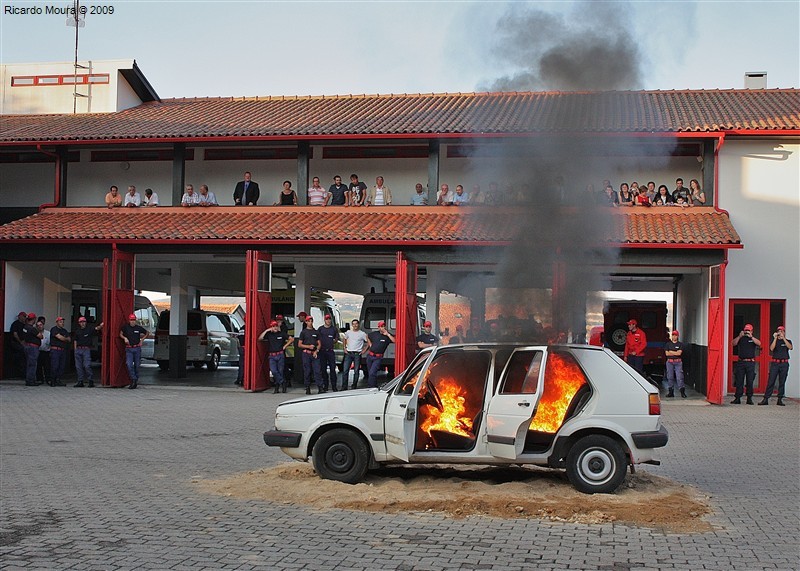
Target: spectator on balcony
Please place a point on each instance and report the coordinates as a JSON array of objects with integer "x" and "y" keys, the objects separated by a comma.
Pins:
[
  {"x": 444, "y": 197},
  {"x": 318, "y": 196},
  {"x": 696, "y": 194},
  {"x": 287, "y": 196},
  {"x": 132, "y": 198},
  {"x": 113, "y": 199},
  {"x": 357, "y": 192},
  {"x": 460, "y": 198},
  {"x": 420, "y": 197},
  {"x": 476, "y": 196},
  {"x": 207, "y": 198},
  {"x": 190, "y": 197},
  {"x": 680, "y": 192},
  {"x": 338, "y": 192},
  {"x": 379, "y": 195},
  {"x": 608, "y": 197},
  {"x": 635, "y": 189},
  {"x": 625, "y": 195},
  {"x": 493, "y": 194},
  {"x": 150, "y": 198},
  {"x": 663, "y": 197},
  {"x": 246, "y": 192},
  {"x": 590, "y": 196},
  {"x": 650, "y": 193}
]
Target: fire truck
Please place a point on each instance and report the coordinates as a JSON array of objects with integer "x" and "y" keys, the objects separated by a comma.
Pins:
[{"x": 651, "y": 317}]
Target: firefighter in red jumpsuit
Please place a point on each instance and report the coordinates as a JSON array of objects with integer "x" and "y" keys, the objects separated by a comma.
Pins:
[{"x": 635, "y": 345}]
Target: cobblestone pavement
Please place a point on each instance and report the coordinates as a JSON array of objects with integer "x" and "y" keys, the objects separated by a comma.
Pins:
[{"x": 102, "y": 479}]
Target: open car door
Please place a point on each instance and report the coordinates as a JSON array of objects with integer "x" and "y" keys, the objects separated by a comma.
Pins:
[
  {"x": 513, "y": 406},
  {"x": 400, "y": 420}
]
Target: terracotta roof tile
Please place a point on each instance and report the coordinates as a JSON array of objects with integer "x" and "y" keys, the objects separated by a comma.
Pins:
[
  {"x": 702, "y": 226},
  {"x": 422, "y": 114}
]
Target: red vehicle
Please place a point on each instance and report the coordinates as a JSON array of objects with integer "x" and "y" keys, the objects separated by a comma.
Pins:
[{"x": 652, "y": 319}]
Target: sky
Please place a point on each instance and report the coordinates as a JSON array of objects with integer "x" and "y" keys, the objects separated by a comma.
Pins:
[{"x": 230, "y": 48}]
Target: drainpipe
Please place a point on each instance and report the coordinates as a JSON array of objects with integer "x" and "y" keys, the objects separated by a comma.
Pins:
[
  {"x": 57, "y": 194},
  {"x": 720, "y": 144}
]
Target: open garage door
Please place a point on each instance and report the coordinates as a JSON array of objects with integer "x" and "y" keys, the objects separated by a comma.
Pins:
[
  {"x": 258, "y": 296},
  {"x": 406, "y": 302},
  {"x": 118, "y": 278}
]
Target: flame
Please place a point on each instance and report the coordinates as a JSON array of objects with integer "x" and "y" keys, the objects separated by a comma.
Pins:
[
  {"x": 453, "y": 418},
  {"x": 562, "y": 379}
]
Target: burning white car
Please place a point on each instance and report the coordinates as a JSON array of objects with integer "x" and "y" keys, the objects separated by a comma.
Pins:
[{"x": 574, "y": 407}]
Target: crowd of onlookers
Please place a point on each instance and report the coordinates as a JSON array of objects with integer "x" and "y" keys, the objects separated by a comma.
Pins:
[
  {"x": 356, "y": 193},
  {"x": 648, "y": 195}
]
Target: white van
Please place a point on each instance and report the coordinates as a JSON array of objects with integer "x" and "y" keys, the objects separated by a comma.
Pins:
[
  {"x": 379, "y": 307},
  {"x": 211, "y": 339}
]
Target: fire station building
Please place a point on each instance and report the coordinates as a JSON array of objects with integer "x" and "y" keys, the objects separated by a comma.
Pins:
[{"x": 732, "y": 261}]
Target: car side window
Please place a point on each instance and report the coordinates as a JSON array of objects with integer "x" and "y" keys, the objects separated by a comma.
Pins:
[
  {"x": 522, "y": 373},
  {"x": 406, "y": 387},
  {"x": 226, "y": 322},
  {"x": 214, "y": 324}
]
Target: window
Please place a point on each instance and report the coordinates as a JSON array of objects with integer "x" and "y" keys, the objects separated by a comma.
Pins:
[
  {"x": 213, "y": 323},
  {"x": 522, "y": 373},
  {"x": 373, "y": 316}
]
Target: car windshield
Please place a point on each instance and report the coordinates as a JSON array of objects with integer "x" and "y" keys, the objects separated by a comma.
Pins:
[{"x": 418, "y": 360}]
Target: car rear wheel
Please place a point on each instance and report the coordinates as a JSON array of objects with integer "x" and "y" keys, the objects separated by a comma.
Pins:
[
  {"x": 341, "y": 454},
  {"x": 596, "y": 464},
  {"x": 213, "y": 364}
]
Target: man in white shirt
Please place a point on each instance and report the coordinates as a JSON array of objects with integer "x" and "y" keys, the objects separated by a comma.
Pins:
[
  {"x": 379, "y": 195},
  {"x": 444, "y": 197},
  {"x": 317, "y": 196},
  {"x": 356, "y": 344},
  {"x": 132, "y": 198},
  {"x": 190, "y": 197},
  {"x": 207, "y": 198},
  {"x": 150, "y": 198},
  {"x": 460, "y": 198}
]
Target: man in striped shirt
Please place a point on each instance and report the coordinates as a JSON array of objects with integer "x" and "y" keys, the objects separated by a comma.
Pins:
[{"x": 317, "y": 196}]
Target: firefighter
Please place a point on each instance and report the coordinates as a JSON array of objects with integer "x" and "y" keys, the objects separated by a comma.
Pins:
[{"x": 635, "y": 346}]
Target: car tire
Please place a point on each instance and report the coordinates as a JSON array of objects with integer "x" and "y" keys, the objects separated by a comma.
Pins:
[
  {"x": 163, "y": 365},
  {"x": 213, "y": 364},
  {"x": 342, "y": 455},
  {"x": 596, "y": 464}
]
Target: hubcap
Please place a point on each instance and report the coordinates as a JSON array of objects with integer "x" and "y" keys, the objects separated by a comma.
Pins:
[
  {"x": 339, "y": 457},
  {"x": 596, "y": 465}
]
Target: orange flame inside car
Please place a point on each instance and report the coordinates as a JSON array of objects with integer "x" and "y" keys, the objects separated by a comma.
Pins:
[
  {"x": 453, "y": 418},
  {"x": 562, "y": 379}
]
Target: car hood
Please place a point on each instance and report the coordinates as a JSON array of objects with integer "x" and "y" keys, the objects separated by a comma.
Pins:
[{"x": 359, "y": 400}]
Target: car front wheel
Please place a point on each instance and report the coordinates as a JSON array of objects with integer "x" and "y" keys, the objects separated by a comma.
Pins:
[
  {"x": 341, "y": 454},
  {"x": 596, "y": 464}
]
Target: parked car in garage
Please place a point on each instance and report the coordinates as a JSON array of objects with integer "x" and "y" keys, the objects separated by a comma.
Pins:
[
  {"x": 580, "y": 408},
  {"x": 211, "y": 339}
]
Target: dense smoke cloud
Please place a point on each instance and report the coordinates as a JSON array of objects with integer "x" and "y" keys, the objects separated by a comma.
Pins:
[{"x": 590, "y": 49}]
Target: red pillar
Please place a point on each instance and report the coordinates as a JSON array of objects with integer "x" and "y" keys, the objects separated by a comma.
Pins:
[
  {"x": 118, "y": 279},
  {"x": 2, "y": 316},
  {"x": 258, "y": 297},
  {"x": 715, "y": 385},
  {"x": 406, "y": 302}
]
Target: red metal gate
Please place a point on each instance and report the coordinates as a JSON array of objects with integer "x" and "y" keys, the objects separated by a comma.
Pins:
[
  {"x": 716, "y": 332},
  {"x": 258, "y": 296},
  {"x": 118, "y": 280},
  {"x": 406, "y": 302},
  {"x": 2, "y": 316}
]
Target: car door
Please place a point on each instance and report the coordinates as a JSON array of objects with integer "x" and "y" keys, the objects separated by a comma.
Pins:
[
  {"x": 514, "y": 404},
  {"x": 400, "y": 418}
]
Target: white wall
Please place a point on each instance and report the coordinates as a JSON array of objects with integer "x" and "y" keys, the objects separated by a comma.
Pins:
[
  {"x": 759, "y": 184},
  {"x": 692, "y": 309}
]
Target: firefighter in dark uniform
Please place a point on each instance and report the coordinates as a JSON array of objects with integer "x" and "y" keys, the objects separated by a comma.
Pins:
[
  {"x": 82, "y": 345},
  {"x": 377, "y": 343},
  {"x": 328, "y": 335},
  {"x": 59, "y": 347},
  {"x": 426, "y": 338},
  {"x": 17, "y": 345},
  {"x": 744, "y": 370},
  {"x": 779, "y": 366},
  {"x": 277, "y": 342},
  {"x": 31, "y": 341},
  {"x": 133, "y": 334},
  {"x": 309, "y": 343}
]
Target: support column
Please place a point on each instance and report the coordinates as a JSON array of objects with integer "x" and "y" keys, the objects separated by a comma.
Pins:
[
  {"x": 433, "y": 170},
  {"x": 179, "y": 296},
  {"x": 406, "y": 311},
  {"x": 717, "y": 366},
  {"x": 302, "y": 302},
  {"x": 303, "y": 155},
  {"x": 63, "y": 154},
  {"x": 178, "y": 172},
  {"x": 708, "y": 171},
  {"x": 432, "y": 299}
]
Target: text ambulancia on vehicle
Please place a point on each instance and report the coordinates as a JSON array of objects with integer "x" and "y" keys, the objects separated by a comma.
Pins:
[{"x": 575, "y": 407}]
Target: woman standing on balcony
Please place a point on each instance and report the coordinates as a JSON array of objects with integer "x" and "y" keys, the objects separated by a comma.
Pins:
[{"x": 697, "y": 196}]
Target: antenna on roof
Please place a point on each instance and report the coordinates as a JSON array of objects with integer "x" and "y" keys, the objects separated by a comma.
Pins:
[{"x": 76, "y": 18}]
